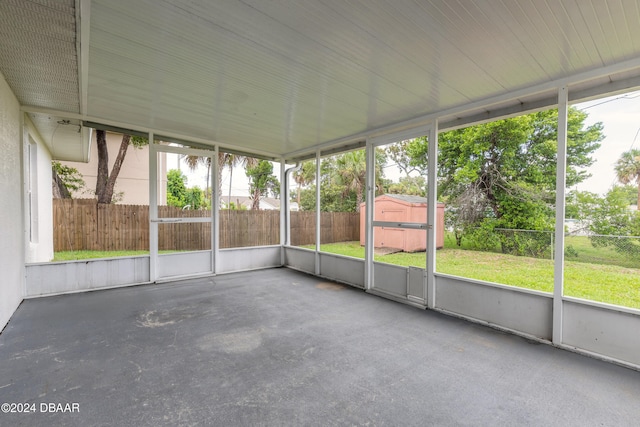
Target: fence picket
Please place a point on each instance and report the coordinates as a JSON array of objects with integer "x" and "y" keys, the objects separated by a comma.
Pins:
[{"x": 83, "y": 224}]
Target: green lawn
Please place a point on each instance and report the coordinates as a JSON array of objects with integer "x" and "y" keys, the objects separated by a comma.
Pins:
[
  {"x": 611, "y": 284},
  {"x": 76, "y": 255},
  {"x": 598, "y": 274}
]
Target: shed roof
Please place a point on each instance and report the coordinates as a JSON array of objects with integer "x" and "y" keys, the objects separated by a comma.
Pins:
[{"x": 406, "y": 198}]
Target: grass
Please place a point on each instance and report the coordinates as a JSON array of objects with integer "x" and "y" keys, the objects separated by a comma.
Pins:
[
  {"x": 610, "y": 284},
  {"x": 598, "y": 274},
  {"x": 585, "y": 252},
  {"x": 78, "y": 255}
]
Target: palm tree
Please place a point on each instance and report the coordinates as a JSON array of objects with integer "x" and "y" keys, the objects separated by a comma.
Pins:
[
  {"x": 224, "y": 159},
  {"x": 194, "y": 161},
  {"x": 304, "y": 176},
  {"x": 628, "y": 169},
  {"x": 234, "y": 160},
  {"x": 352, "y": 172}
]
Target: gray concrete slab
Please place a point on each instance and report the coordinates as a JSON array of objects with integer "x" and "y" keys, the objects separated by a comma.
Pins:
[{"x": 277, "y": 347}]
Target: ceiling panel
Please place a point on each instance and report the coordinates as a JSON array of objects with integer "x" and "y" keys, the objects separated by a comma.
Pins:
[
  {"x": 285, "y": 76},
  {"x": 38, "y": 52}
]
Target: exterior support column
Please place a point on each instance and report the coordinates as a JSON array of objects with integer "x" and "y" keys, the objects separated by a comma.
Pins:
[
  {"x": 370, "y": 185},
  {"x": 284, "y": 208},
  {"x": 432, "y": 203},
  {"x": 153, "y": 209},
  {"x": 215, "y": 210},
  {"x": 318, "y": 218},
  {"x": 561, "y": 180}
]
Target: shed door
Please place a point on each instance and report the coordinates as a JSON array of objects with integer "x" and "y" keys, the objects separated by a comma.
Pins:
[{"x": 388, "y": 238}]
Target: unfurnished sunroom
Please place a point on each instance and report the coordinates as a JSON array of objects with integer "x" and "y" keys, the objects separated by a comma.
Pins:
[{"x": 335, "y": 86}]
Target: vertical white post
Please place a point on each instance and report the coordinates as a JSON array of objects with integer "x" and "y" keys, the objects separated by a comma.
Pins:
[
  {"x": 370, "y": 185},
  {"x": 215, "y": 210},
  {"x": 318, "y": 218},
  {"x": 153, "y": 210},
  {"x": 432, "y": 206},
  {"x": 561, "y": 179},
  {"x": 284, "y": 208},
  {"x": 24, "y": 141}
]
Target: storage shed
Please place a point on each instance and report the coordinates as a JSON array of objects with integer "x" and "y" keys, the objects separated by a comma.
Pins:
[{"x": 405, "y": 209}]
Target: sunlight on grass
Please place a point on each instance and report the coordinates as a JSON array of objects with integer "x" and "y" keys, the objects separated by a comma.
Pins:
[{"x": 610, "y": 284}]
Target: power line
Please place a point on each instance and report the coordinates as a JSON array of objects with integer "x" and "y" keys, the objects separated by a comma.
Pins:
[
  {"x": 626, "y": 96},
  {"x": 635, "y": 138}
]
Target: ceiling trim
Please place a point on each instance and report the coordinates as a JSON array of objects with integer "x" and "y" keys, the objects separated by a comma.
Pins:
[
  {"x": 83, "y": 27},
  {"x": 464, "y": 115},
  {"x": 480, "y": 111},
  {"x": 141, "y": 130}
]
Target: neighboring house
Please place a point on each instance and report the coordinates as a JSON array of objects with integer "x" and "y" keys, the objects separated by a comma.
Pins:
[
  {"x": 132, "y": 185},
  {"x": 266, "y": 203}
]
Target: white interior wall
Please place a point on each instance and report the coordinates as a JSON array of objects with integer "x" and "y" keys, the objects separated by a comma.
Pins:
[
  {"x": 11, "y": 211},
  {"x": 40, "y": 249}
]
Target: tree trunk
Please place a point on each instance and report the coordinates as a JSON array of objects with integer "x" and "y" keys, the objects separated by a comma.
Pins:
[
  {"x": 107, "y": 194},
  {"x": 359, "y": 198},
  {"x": 255, "y": 205},
  {"x": 229, "y": 199},
  {"x": 103, "y": 165},
  {"x": 60, "y": 191},
  {"x": 222, "y": 160}
]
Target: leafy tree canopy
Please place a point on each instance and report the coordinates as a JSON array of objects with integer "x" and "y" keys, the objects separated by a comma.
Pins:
[
  {"x": 628, "y": 170},
  {"x": 262, "y": 181},
  {"x": 507, "y": 168},
  {"x": 66, "y": 180},
  {"x": 342, "y": 182},
  {"x": 176, "y": 188}
]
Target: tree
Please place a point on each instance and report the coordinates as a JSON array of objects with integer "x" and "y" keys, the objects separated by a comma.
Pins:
[
  {"x": 105, "y": 181},
  {"x": 504, "y": 171},
  {"x": 193, "y": 162},
  {"x": 194, "y": 198},
  {"x": 631, "y": 193},
  {"x": 180, "y": 196},
  {"x": 229, "y": 160},
  {"x": 261, "y": 182},
  {"x": 342, "y": 182},
  {"x": 233, "y": 160},
  {"x": 628, "y": 169},
  {"x": 332, "y": 199},
  {"x": 412, "y": 185},
  {"x": 613, "y": 223},
  {"x": 304, "y": 176},
  {"x": 400, "y": 155},
  {"x": 65, "y": 180},
  {"x": 176, "y": 188},
  {"x": 351, "y": 173}
]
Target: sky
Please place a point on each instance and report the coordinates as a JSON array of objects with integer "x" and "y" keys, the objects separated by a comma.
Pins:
[
  {"x": 619, "y": 114},
  {"x": 239, "y": 184}
]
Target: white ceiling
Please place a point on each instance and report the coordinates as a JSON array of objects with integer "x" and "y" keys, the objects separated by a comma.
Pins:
[{"x": 281, "y": 77}]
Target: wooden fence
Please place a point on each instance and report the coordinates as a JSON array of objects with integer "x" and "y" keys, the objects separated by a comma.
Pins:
[{"x": 83, "y": 224}]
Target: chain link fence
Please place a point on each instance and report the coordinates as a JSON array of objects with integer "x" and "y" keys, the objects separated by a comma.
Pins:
[{"x": 621, "y": 251}]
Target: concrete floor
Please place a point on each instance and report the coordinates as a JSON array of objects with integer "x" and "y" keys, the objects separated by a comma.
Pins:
[{"x": 277, "y": 347}]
